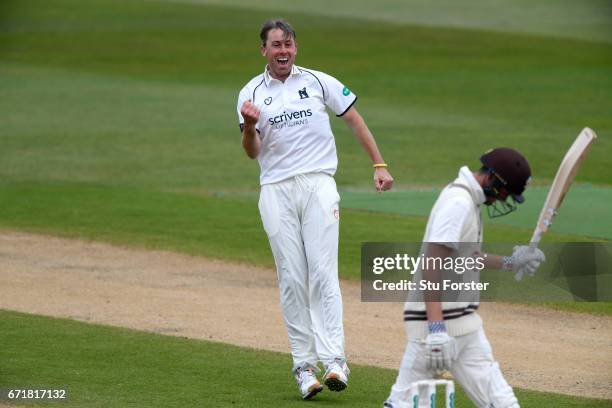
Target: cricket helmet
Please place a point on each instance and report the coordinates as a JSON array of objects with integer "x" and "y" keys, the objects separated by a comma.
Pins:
[{"x": 511, "y": 170}]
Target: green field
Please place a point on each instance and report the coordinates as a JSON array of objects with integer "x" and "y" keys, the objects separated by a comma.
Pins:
[
  {"x": 102, "y": 366},
  {"x": 588, "y": 20},
  {"x": 142, "y": 97},
  {"x": 574, "y": 219},
  {"x": 118, "y": 123},
  {"x": 144, "y": 94}
]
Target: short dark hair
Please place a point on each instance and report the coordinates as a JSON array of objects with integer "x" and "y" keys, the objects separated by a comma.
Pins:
[{"x": 273, "y": 24}]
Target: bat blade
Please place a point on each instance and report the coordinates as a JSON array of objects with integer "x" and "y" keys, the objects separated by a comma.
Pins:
[
  {"x": 563, "y": 180},
  {"x": 561, "y": 184}
]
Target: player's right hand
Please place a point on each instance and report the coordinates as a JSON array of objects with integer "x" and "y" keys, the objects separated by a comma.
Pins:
[
  {"x": 441, "y": 350},
  {"x": 526, "y": 260},
  {"x": 250, "y": 113}
]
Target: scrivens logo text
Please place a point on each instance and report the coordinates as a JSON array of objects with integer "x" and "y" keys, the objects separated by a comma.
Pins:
[{"x": 290, "y": 119}]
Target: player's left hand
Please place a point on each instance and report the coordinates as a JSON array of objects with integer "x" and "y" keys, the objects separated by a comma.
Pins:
[
  {"x": 382, "y": 179},
  {"x": 441, "y": 351}
]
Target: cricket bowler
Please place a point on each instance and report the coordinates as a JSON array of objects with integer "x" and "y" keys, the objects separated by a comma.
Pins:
[
  {"x": 449, "y": 335},
  {"x": 285, "y": 126}
]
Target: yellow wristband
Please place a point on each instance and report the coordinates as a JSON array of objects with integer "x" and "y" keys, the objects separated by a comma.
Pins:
[{"x": 377, "y": 165}]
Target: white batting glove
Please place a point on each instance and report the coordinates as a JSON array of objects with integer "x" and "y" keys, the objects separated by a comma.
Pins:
[
  {"x": 526, "y": 260},
  {"x": 530, "y": 267},
  {"x": 441, "y": 351}
]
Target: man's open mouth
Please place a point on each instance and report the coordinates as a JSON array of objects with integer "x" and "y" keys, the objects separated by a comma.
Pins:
[{"x": 283, "y": 62}]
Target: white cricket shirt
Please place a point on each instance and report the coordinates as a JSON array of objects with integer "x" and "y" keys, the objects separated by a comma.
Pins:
[
  {"x": 455, "y": 222},
  {"x": 455, "y": 216},
  {"x": 294, "y": 125}
]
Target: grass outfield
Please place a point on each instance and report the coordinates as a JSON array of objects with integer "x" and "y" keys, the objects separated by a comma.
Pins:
[
  {"x": 584, "y": 212},
  {"x": 118, "y": 117},
  {"x": 110, "y": 367},
  {"x": 144, "y": 94},
  {"x": 587, "y": 19}
]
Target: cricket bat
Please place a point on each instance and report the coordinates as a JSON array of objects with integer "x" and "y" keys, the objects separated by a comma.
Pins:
[{"x": 565, "y": 175}]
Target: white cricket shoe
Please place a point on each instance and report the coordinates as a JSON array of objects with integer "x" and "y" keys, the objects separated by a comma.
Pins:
[
  {"x": 308, "y": 383},
  {"x": 336, "y": 376}
]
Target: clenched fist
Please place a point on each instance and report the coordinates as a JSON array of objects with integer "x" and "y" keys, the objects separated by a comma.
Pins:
[
  {"x": 382, "y": 179},
  {"x": 250, "y": 113}
]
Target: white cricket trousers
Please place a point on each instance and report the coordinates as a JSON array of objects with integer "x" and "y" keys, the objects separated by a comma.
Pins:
[
  {"x": 475, "y": 369},
  {"x": 301, "y": 218}
]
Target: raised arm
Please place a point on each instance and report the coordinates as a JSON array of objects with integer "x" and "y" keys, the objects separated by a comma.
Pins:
[{"x": 250, "y": 139}]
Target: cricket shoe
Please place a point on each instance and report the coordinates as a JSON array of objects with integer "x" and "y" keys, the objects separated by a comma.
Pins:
[
  {"x": 308, "y": 383},
  {"x": 336, "y": 376}
]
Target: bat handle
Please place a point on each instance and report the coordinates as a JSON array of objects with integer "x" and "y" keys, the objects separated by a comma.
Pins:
[{"x": 533, "y": 244}]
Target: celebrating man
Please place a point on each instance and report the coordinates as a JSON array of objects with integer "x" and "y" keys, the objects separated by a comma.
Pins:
[{"x": 284, "y": 124}]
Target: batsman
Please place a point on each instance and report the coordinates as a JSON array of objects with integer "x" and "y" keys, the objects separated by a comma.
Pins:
[
  {"x": 448, "y": 335},
  {"x": 285, "y": 125}
]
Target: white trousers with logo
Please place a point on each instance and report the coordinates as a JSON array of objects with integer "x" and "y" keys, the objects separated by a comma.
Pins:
[
  {"x": 301, "y": 218},
  {"x": 475, "y": 369}
]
